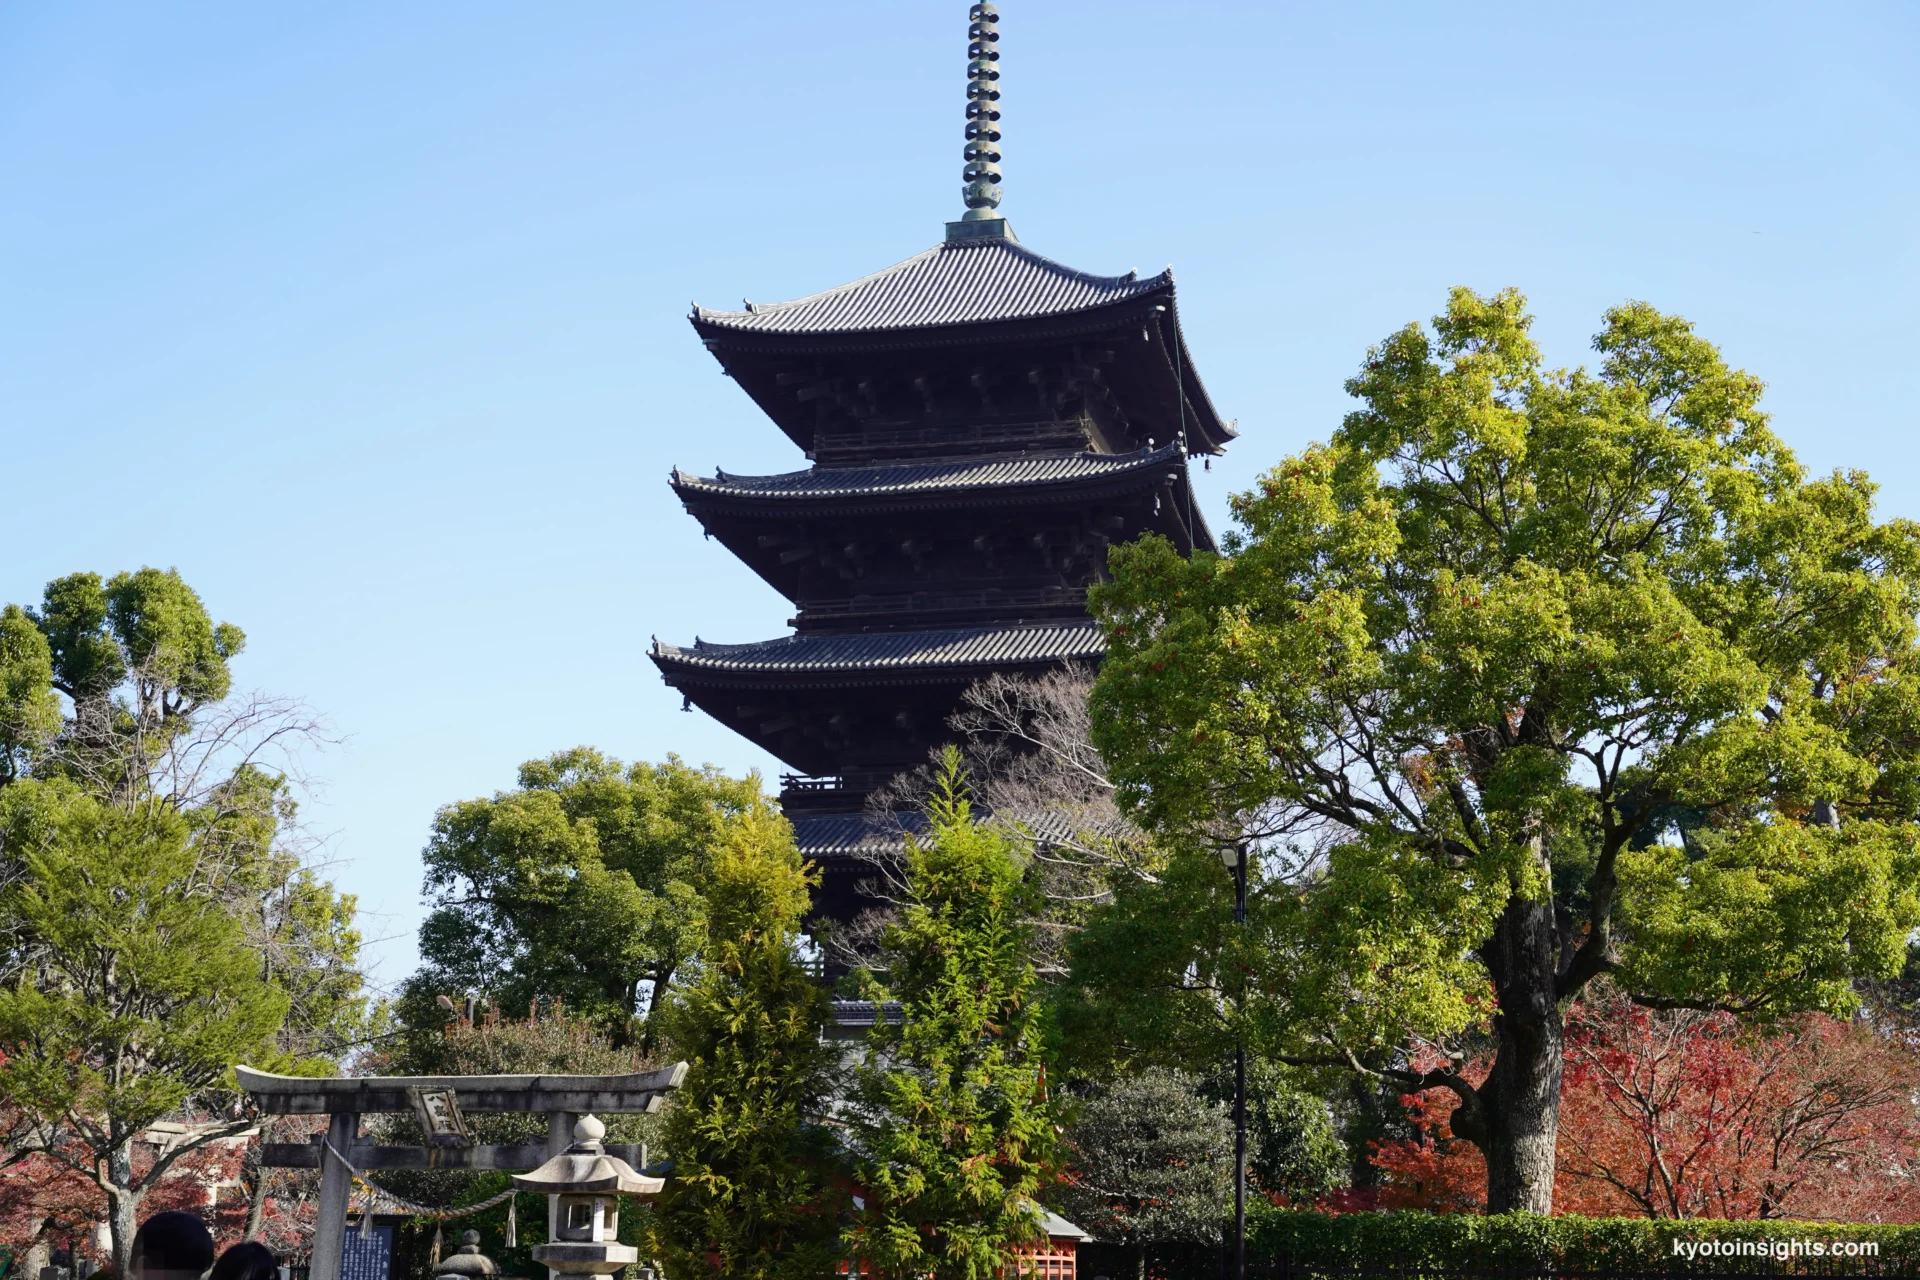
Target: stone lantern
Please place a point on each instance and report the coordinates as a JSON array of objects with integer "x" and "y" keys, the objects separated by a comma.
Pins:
[
  {"x": 586, "y": 1184},
  {"x": 467, "y": 1262}
]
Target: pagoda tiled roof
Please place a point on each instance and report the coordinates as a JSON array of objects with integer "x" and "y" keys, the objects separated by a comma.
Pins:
[
  {"x": 957, "y": 282},
  {"x": 840, "y": 835},
  {"x": 890, "y": 652},
  {"x": 948, "y": 475}
]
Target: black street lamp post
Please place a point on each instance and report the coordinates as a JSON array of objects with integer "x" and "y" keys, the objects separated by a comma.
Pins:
[{"x": 1236, "y": 859}]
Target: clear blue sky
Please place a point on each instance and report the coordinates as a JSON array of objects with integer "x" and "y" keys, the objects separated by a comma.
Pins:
[{"x": 370, "y": 318}]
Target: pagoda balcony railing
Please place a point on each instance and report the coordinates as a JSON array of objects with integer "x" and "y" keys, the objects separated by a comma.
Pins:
[
  {"x": 842, "y": 446},
  {"x": 996, "y": 599},
  {"x": 803, "y": 792},
  {"x": 851, "y": 780},
  {"x": 810, "y": 782}
]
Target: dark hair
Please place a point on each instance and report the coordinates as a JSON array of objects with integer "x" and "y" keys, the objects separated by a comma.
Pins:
[
  {"x": 248, "y": 1260},
  {"x": 173, "y": 1241}
]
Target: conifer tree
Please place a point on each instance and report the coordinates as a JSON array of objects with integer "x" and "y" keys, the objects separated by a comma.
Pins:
[
  {"x": 1150, "y": 1162},
  {"x": 753, "y": 1194},
  {"x": 950, "y": 1124}
]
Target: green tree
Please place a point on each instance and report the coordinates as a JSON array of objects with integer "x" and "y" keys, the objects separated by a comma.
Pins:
[
  {"x": 582, "y": 886},
  {"x": 29, "y": 711},
  {"x": 1148, "y": 1161},
  {"x": 1526, "y": 677},
  {"x": 1292, "y": 1147},
  {"x": 138, "y": 658},
  {"x": 134, "y": 988},
  {"x": 754, "y": 1184},
  {"x": 949, "y": 1121},
  {"x": 158, "y": 923}
]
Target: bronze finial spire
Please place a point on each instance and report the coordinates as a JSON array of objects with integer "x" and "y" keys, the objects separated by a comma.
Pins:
[{"x": 982, "y": 154}]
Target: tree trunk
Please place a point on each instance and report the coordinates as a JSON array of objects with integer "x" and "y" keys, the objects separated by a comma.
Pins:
[
  {"x": 39, "y": 1256},
  {"x": 656, "y": 1001},
  {"x": 1520, "y": 1100},
  {"x": 123, "y": 1204},
  {"x": 257, "y": 1202},
  {"x": 1140, "y": 1262}
]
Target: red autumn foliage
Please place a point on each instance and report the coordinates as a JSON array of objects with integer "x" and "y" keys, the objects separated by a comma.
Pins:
[
  {"x": 39, "y": 1197},
  {"x": 1436, "y": 1171},
  {"x": 43, "y": 1198},
  {"x": 1689, "y": 1115}
]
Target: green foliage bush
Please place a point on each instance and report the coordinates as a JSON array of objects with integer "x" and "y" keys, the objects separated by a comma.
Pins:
[{"x": 1524, "y": 1240}]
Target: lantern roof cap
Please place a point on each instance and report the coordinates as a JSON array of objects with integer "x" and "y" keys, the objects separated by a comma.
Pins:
[{"x": 586, "y": 1168}]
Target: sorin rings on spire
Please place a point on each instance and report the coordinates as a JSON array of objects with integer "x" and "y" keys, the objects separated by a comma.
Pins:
[{"x": 982, "y": 154}]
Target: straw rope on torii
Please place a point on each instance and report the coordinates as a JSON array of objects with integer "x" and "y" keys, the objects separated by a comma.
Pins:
[
  {"x": 439, "y": 1215},
  {"x": 440, "y": 1101}
]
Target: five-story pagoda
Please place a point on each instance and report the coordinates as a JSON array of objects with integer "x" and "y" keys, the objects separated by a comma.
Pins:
[{"x": 983, "y": 424}]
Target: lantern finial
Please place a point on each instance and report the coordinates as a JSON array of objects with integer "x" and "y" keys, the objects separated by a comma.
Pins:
[{"x": 588, "y": 1128}]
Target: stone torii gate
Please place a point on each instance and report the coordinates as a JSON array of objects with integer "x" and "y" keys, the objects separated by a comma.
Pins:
[{"x": 440, "y": 1101}]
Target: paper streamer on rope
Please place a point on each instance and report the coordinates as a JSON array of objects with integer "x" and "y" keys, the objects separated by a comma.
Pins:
[
  {"x": 513, "y": 1222},
  {"x": 433, "y": 1255}
]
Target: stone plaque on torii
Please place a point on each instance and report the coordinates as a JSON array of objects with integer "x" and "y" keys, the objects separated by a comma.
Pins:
[{"x": 441, "y": 1102}]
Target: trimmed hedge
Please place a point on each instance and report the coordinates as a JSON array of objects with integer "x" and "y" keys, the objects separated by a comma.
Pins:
[
  {"x": 1515, "y": 1242},
  {"x": 1570, "y": 1243}
]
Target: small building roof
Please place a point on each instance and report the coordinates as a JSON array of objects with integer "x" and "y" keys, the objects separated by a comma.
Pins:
[
  {"x": 957, "y": 282},
  {"x": 1058, "y": 1228},
  {"x": 948, "y": 476},
  {"x": 903, "y": 652}
]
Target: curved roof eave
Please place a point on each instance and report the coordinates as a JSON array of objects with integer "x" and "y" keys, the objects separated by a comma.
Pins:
[
  {"x": 948, "y": 477},
  {"x": 888, "y": 652}
]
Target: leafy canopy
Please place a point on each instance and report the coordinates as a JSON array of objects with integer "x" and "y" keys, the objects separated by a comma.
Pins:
[
  {"x": 29, "y": 711},
  {"x": 582, "y": 885},
  {"x": 1518, "y": 634},
  {"x": 114, "y": 1046},
  {"x": 137, "y": 656}
]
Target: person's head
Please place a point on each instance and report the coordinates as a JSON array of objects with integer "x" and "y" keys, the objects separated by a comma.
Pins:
[
  {"x": 248, "y": 1260},
  {"x": 175, "y": 1245}
]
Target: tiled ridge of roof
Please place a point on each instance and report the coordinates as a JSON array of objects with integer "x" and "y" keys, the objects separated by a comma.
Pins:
[
  {"x": 964, "y": 473},
  {"x": 958, "y": 282},
  {"x": 884, "y": 650}
]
